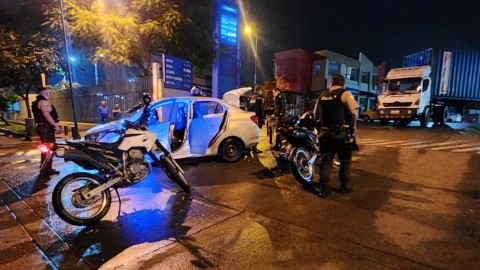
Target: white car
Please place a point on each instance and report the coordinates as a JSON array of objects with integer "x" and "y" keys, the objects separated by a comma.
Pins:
[
  {"x": 454, "y": 118},
  {"x": 191, "y": 126}
]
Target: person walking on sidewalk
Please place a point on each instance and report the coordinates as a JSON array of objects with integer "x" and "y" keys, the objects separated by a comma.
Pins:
[
  {"x": 336, "y": 111},
  {"x": 103, "y": 111},
  {"x": 46, "y": 118}
]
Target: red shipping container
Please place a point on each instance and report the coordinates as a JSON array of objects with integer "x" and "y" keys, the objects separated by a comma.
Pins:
[{"x": 294, "y": 70}]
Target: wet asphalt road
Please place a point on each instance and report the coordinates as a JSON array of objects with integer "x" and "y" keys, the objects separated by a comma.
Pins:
[{"x": 415, "y": 205}]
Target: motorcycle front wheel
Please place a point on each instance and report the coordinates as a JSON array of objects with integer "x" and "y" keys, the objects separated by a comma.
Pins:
[
  {"x": 303, "y": 173},
  {"x": 173, "y": 173},
  {"x": 72, "y": 207}
]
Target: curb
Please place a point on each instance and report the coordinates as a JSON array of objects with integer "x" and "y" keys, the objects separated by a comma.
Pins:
[{"x": 13, "y": 133}]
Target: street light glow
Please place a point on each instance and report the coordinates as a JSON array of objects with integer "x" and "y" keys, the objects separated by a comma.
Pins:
[{"x": 248, "y": 30}]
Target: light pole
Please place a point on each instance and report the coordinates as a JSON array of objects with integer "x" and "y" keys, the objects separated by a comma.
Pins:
[
  {"x": 75, "y": 134},
  {"x": 248, "y": 31},
  {"x": 96, "y": 69}
]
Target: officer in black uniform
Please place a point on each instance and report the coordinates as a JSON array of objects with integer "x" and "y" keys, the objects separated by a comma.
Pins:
[
  {"x": 46, "y": 118},
  {"x": 336, "y": 111},
  {"x": 146, "y": 99},
  {"x": 280, "y": 109}
]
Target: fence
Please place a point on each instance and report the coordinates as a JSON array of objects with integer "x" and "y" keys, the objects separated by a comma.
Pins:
[{"x": 88, "y": 98}]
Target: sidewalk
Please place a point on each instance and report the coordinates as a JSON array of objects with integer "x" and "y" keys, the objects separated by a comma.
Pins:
[{"x": 18, "y": 250}]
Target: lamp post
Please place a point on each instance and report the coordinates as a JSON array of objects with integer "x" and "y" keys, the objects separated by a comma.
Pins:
[
  {"x": 248, "y": 31},
  {"x": 96, "y": 69},
  {"x": 75, "y": 135}
]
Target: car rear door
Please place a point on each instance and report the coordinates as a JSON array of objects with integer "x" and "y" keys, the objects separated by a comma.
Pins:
[{"x": 208, "y": 117}]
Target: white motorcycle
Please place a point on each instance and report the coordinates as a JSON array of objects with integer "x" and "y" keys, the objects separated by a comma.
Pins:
[{"x": 84, "y": 198}]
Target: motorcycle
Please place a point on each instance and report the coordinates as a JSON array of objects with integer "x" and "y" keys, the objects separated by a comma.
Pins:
[
  {"x": 303, "y": 149},
  {"x": 84, "y": 198}
]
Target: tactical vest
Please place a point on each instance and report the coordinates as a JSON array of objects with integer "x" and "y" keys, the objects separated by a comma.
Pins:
[
  {"x": 38, "y": 114},
  {"x": 334, "y": 112}
]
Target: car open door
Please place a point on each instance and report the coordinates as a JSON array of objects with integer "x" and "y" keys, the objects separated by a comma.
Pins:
[{"x": 206, "y": 123}]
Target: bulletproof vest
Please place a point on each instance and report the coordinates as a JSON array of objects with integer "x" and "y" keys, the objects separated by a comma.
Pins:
[
  {"x": 334, "y": 112},
  {"x": 37, "y": 113}
]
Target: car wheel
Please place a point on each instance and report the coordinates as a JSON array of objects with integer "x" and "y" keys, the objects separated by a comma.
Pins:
[
  {"x": 231, "y": 150},
  {"x": 365, "y": 118}
]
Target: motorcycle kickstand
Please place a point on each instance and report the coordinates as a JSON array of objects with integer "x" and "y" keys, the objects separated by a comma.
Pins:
[{"x": 118, "y": 195}]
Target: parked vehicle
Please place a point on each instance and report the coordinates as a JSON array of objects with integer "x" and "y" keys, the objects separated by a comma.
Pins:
[
  {"x": 195, "y": 127},
  {"x": 454, "y": 118},
  {"x": 430, "y": 82},
  {"x": 370, "y": 115},
  {"x": 84, "y": 198},
  {"x": 299, "y": 132}
]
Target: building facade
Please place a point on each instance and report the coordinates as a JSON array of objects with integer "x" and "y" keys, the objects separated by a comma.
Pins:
[{"x": 361, "y": 76}]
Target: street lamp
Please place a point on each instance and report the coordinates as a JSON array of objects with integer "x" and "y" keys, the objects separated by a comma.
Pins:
[
  {"x": 248, "y": 31},
  {"x": 75, "y": 134},
  {"x": 96, "y": 70}
]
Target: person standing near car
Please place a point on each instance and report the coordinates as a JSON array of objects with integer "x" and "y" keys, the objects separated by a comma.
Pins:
[
  {"x": 257, "y": 104},
  {"x": 103, "y": 111},
  {"x": 146, "y": 99},
  {"x": 46, "y": 118},
  {"x": 280, "y": 109},
  {"x": 336, "y": 111}
]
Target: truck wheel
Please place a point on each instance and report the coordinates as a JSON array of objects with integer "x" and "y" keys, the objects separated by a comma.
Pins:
[
  {"x": 425, "y": 117},
  {"x": 384, "y": 122},
  {"x": 365, "y": 118}
]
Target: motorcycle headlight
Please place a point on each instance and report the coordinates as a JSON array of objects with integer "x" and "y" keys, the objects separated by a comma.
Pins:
[{"x": 94, "y": 137}]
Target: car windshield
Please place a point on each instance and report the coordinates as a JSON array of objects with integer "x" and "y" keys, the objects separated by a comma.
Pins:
[
  {"x": 407, "y": 85},
  {"x": 152, "y": 108}
]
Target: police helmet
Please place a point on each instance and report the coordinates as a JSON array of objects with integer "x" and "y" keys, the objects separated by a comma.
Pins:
[
  {"x": 145, "y": 97},
  {"x": 196, "y": 91}
]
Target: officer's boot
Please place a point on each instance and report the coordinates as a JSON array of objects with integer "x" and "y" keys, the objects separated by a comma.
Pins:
[{"x": 48, "y": 170}]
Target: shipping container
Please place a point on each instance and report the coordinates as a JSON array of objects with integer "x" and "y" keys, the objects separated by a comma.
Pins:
[
  {"x": 432, "y": 84},
  {"x": 464, "y": 79}
]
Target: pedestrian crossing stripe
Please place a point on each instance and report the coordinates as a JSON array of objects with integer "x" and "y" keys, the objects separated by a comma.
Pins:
[
  {"x": 454, "y": 146},
  {"x": 436, "y": 144},
  {"x": 457, "y": 146}
]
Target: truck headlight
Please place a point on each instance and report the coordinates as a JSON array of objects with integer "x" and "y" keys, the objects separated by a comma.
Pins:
[
  {"x": 409, "y": 111},
  {"x": 381, "y": 111}
]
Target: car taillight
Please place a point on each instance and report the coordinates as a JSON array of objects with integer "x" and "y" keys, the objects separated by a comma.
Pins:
[
  {"x": 44, "y": 148},
  {"x": 254, "y": 119}
]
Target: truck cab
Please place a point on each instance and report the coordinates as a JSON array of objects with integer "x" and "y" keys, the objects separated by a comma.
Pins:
[{"x": 407, "y": 96}]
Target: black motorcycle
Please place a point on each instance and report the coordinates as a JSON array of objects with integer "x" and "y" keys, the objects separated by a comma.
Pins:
[
  {"x": 84, "y": 198},
  {"x": 299, "y": 132}
]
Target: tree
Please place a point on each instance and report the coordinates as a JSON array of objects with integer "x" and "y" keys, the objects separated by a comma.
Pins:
[
  {"x": 5, "y": 102},
  {"x": 22, "y": 61},
  {"x": 129, "y": 32}
]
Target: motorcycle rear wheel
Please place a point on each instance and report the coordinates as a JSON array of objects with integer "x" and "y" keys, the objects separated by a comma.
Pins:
[
  {"x": 300, "y": 169},
  {"x": 173, "y": 173},
  {"x": 72, "y": 208}
]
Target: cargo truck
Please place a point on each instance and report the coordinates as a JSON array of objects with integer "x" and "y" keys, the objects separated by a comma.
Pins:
[{"x": 431, "y": 84}]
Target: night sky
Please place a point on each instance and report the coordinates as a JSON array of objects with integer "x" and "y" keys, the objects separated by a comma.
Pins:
[{"x": 383, "y": 30}]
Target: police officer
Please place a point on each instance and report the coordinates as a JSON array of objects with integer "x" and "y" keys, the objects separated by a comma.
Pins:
[
  {"x": 336, "y": 111},
  {"x": 280, "y": 109},
  {"x": 46, "y": 118},
  {"x": 146, "y": 99}
]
